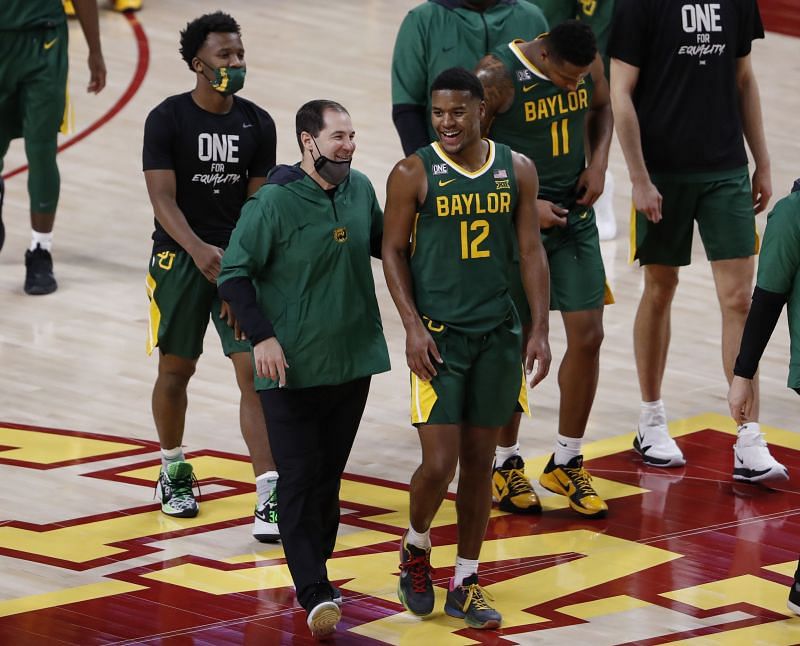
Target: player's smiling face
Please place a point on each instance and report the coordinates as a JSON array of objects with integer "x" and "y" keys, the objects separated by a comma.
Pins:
[{"x": 456, "y": 118}]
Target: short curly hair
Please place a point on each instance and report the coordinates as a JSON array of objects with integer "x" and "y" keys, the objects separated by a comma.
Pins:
[
  {"x": 196, "y": 32},
  {"x": 573, "y": 41}
]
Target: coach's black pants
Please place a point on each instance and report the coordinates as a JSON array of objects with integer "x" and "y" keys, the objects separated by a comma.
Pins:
[{"x": 311, "y": 432}]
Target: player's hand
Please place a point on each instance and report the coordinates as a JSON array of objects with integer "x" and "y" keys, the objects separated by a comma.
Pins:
[
  {"x": 551, "y": 215},
  {"x": 226, "y": 312},
  {"x": 270, "y": 361},
  {"x": 647, "y": 199},
  {"x": 762, "y": 189},
  {"x": 740, "y": 399},
  {"x": 590, "y": 186},
  {"x": 97, "y": 73},
  {"x": 420, "y": 349},
  {"x": 207, "y": 257},
  {"x": 537, "y": 350}
]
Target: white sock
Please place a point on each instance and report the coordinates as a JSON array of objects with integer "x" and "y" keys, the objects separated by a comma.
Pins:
[
  {"x": 420, "y": 540},
  {"x": 502, "y": 453},
  {"x": 171, "y": 455},
  {"x": 749, "y": 432},
  {"x": 464, "y": 569},
  {"x": 265, "y": 485},
  {"x": 44, "y": 240},
  {"x": 652, "y": 413},
  {"x": 566, "y": 449}
]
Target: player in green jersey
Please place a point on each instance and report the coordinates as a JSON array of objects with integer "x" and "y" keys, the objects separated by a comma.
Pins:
[
  {"x": 33, "y": 102},
  {"x": 462, "y": 201},
  {"x": 542, "y": 96}
]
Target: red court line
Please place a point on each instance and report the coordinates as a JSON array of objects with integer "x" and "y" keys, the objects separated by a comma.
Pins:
[{"x": 143, "y": 61}]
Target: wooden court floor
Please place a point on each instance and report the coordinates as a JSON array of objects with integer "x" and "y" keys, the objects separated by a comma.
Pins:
[{"x": 685, "y": 556}]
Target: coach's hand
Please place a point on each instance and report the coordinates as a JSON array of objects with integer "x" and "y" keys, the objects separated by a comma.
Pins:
[
  {"x": 420, "y": 348},
  {"x": 270, "y": 361}
]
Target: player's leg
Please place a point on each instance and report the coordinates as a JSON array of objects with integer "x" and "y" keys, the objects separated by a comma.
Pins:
[
  {"x": 180, "y": 301},
  {"x": 727, "y": 227}
]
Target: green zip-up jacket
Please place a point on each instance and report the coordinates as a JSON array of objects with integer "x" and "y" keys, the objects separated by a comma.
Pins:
[{"x": 308, "y": 257}]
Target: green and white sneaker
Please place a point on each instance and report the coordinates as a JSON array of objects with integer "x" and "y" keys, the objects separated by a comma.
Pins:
[
  {"x": 265, "y": 520},
  {"x": 174, "y": 490}
]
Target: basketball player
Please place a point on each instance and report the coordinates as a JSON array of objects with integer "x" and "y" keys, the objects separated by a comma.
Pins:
[
  {"x": 33, "y": 101},
  {"x": 542, "y": 96},
  {"x": 461, "y": 200},
  {"x": 685, "y": 98},
  {"x": 205, "y": 151}
]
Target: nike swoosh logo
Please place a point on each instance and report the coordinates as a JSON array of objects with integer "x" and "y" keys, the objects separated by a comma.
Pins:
[
  {"x": 584, "y": 215},
  {"x": 528, "y": 88},
  {"x": 247, "y": 125},
  {"x": 445, "y": 182},
  {"x": 738, "y": 459},
  {"x": 49, "y": 44},
  {"x": 447, "y": 49}
]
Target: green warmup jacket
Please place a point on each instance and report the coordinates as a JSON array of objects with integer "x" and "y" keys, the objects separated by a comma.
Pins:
[
  {"x": 440, "y": 34},
  {"x": 308, "y": 257}
]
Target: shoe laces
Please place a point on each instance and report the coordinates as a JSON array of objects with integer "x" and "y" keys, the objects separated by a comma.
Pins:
[
  {"x": 182, "y": 488},
  {"x": 476, "y": 596},
  {"x": 517, "y": 482},
  {"x": 419, "y": 567},
  {"x": 582, "y": 480}
]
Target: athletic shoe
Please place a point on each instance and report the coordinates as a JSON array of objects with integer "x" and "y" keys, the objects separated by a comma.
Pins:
[
  {"x": 512, "y": 490},
  {"x": 174, "y": 490},
  {"x": 752, "y": 461},
  {"x": 414, "y": 586},
  {"x": 574, "y": 482},
  {"x": 656, "y": 446},
  {"x": 794, "y": 593},
  {"x": 127, "y": 5},
  {"x": 265, "y": 521},
  {"x": 468, "y": 602},
  {"x": 39, "y": 279},
  {"x": 2, "y": 226},
  {"x": 323, "y": 616}
]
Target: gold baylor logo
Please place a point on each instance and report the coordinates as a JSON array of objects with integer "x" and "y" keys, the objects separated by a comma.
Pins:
[{"x": 340, "y": 234}]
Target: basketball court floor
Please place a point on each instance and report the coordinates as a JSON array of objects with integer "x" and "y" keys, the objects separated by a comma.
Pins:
[{"x": 684, "y": 556}]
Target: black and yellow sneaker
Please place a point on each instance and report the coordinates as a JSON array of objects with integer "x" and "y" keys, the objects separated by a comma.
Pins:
[
  {"x": 512, "y": 490},
  {"x": 574, "y": 482},
  {"x": 468, "y": 602},
  {"x": 174, "y": 490},
  {"x": 415, "y": 585}
]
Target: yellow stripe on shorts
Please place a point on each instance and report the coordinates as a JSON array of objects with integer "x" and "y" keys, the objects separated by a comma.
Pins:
[
  {"x": 154, "y": 315},
  {"x": 523, "y": 395},
  {"x": 423, "y": 398},
  {"x": 632, "y": 242},
  {"x": 68, "y": 120},
  {"x": 608, "y": 295},
  {"x": 757, "y": 250}
]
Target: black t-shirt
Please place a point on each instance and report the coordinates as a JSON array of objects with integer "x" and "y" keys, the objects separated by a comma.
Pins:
[
  {"x": 686, "y": 96},
  {"x": 213, "y": 156}
]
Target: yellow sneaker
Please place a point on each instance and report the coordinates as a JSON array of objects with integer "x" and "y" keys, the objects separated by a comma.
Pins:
[
  {"x": 69, "y": 8},
  {"x": 127, "y": 5},
  {"x": 574, "y": 482},
  {"x": 512, "y": 490}
]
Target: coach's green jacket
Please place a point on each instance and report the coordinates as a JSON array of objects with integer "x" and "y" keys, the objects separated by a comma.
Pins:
[{"x": 308, "y": 256}]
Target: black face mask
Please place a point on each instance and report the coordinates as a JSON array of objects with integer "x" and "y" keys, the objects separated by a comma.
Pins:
[{"x": 332, "y": 171}]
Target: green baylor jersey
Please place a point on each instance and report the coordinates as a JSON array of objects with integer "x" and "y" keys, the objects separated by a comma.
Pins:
[
  {"x": 545, "y": 123},
  {"x": 463, "y": 241}
]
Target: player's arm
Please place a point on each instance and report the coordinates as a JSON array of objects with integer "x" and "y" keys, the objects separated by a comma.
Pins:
[
  {"x": 599, "y": 126},
  {"x": 624, "y": 78},
  {"x": 498, "y": 88},
  {"x": 410, "y": 85},
  {"x": 86, "y": 11},
  {"x": 533, "y": 267},
  {"x": 753, "y": 127},
  {"x": 161, "y": 189},
  {"x": 405, "y": 189}
]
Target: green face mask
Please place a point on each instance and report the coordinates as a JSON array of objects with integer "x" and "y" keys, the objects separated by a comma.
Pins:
[{"x": 227, "y": 80}]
